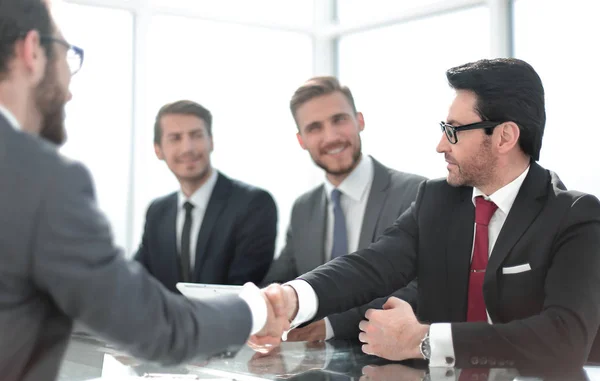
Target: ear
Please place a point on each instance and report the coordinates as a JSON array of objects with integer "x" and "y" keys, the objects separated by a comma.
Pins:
[
  {"x": 508, "y": 134},
  {"x": 361, "y": 121},
  {"x": 211, "y": 144},
  {"x": 158, "y": 152},
  {"x": 300, "y": 140},
  {"x": 32, "y": 54}
]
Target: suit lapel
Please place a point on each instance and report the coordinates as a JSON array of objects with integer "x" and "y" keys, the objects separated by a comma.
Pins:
[
  {"x": 377, "y": 198},
  {"x": 218, "y": 200},
  {"x": 171, "y": 263},
  {"x": 527, "y": 206},
  {"x": 459, "y": 245}
]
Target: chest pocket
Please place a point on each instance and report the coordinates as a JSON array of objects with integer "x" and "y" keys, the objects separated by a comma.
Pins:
[{"x": 521, "y": 294}]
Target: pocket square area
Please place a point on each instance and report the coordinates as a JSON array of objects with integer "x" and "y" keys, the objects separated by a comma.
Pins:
[{"x": 516, "y": 269}]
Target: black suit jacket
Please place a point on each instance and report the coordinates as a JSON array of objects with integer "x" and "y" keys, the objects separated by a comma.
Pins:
[
  {"x": 547, "y": 316},
  {"x": 235, "y": 244}
]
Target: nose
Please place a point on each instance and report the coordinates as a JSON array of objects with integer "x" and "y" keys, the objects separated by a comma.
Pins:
[
  {"x": 331, "y": 133},
  {"x": 443, "y": 145},
  {"x": 69, "y": 96},
  {"x": 187, "y": 145}
]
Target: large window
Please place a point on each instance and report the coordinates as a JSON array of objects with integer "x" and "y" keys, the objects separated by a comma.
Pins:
[
  {"x": 397, "y": 75},
  {"x": 99, "y": 118},
  {"x": 356, "y": 11},
  {"x": 245, "y": 76},
  {"x": 560, "y": 40},
  {"x": 288, "y": 12}
]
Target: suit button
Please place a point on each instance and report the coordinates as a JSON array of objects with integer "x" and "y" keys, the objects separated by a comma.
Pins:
[
  {"x": 483, "y": 360},
  {"x": 449, "y": 373},
  {"x": 510, "y": 363},
  {"x": 449, "y": 360},
  {"x": 500, "y": 363},
  {"x": 474, "y": 360},
  {"x": 492, "y": 361}
]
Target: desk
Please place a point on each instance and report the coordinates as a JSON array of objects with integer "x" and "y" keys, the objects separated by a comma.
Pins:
[{"x": 88, "y": 359}]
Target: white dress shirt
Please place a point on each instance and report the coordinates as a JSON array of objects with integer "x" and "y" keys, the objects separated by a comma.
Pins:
[
  {"x": 200, "y": 200},
  {"x": 12, "y": 120},
  {"x": 440, "y": 334},
  {"x": 355, "y": 193}
]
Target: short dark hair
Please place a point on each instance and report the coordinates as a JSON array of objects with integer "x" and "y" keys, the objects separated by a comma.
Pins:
[
  {"x": 17, "y": 18},
  {"x": 183, "y": 107},
  {"x": 507, "y": 89},
  {"x": 316, "y": 87}
]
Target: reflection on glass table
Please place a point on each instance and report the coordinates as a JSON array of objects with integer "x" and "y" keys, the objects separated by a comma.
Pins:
[{"x": 90, "y": 359}]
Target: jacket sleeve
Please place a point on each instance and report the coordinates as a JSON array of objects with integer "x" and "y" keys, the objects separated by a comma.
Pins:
[{"x": 77, "y": 265}]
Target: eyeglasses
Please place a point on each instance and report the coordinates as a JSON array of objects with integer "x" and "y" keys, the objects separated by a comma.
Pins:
[
  {"x": 74, "y": 53},
  {"x": 451, "y": 131}
]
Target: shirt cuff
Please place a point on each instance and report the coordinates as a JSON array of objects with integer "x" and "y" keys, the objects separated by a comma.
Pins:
[
  {"x": 329, "y": 334},
  {"x": 258, "y": 307},
  {"x": 308, "y": 303},
  {"x": 442, "y": 348}
]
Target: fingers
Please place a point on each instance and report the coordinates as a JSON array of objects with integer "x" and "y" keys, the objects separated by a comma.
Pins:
[
  {"x": 363, "y": 325},
  {"x": 363, "y": 338},
  {"x": 263, "y": 344}
]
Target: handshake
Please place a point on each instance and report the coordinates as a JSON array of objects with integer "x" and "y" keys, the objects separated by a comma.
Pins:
[{"x": 282, "y": 307}]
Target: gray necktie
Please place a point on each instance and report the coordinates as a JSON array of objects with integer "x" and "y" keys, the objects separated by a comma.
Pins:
[
  {"x": 185, "y": 242},
  {"x": 340, "y": 235}
]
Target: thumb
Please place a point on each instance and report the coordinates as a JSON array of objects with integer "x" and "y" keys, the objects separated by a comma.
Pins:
[
  {"x": 392, "y": 302},
  {"x": 275, "y": 295}
]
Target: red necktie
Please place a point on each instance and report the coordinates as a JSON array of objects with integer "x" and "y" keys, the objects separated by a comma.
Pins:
[{"x": 483, "y": 214}]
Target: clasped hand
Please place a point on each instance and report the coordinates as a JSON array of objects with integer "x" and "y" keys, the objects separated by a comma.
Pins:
[{"x": 282, "y": 303}]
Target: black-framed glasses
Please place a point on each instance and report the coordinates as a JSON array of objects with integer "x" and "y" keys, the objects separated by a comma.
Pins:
[
  {"x": 74, "y": 53},
  {"x": 451, "y": 131}
]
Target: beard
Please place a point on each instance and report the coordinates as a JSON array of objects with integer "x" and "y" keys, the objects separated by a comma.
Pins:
[
  {"x": 342, "y": 171},
  {"x": 478, "y": 171},
  {"x": 50, "y": 100}
]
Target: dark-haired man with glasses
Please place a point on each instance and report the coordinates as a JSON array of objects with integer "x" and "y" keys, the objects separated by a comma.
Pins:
[
  {"x": 58, "y": 262},
  {"x": 508, "y": 261}
]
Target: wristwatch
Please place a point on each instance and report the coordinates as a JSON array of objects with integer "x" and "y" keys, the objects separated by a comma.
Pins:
[{"x": 425, "y": 348}]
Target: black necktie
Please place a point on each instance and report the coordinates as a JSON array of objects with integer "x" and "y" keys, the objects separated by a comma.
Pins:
[
  {"x": 340, "y": 235},
  {"x": 185, "y": 242}
]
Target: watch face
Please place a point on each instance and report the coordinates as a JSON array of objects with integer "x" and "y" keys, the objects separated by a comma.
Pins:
[{"x": 425, "y": 349}]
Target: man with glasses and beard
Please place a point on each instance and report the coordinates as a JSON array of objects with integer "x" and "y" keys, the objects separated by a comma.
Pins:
[
  {"x": 508, "y": 261},
  {"x": 58, "y": 262},
  {"x": 358, "y": 200}
]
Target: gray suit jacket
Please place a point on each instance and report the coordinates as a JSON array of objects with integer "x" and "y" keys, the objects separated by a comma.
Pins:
[
  {"x": 58, "y": 263},
  {"x": 391, "y": 194}
]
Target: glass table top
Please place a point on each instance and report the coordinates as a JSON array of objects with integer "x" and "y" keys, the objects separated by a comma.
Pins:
[{"x": 88, "y": 358}]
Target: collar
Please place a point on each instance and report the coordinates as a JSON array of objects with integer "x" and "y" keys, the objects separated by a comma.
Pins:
[
  {"x": 356, "y": 184},
  {"x": 10, "y": 117},
  {"x": 201, "y": 196},
  {"x": 505, "y": 196}
]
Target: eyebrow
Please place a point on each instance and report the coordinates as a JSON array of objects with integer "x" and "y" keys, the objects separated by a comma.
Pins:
[
  {"x": 453, "y": 123},
  {"x": 313, "y": 124},
  {"x": 339, "y": 114}
]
